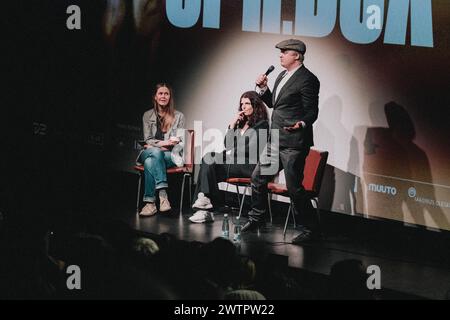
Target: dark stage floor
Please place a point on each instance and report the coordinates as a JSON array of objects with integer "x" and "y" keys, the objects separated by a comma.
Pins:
[{"x": 402, "y": 270}]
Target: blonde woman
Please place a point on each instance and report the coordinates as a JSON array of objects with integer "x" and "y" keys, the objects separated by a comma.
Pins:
[{"x": 163, "y": 132}]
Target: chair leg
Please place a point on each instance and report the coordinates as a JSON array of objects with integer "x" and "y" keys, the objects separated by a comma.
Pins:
[
  {"x": 238, "y": 194},
  {"x": 182, "y": 194},
  {"x": 190, "y": 190},
  {"x": 269, "y": 205},
  {"x": 293, "y": 216},
  {"x": 242, "y": 202},
  {"x": 319, "y": 220},
  {"x": 138, "y": 192},
  {"x": 287, "y": 221}
]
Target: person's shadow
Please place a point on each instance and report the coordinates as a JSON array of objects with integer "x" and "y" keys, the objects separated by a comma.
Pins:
[
  {"x": 397, "y": 173},
  {"x": 338, "y": 187}
]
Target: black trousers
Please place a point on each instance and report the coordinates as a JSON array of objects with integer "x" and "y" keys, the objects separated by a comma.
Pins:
[
  {"x": 293, "y": 163},
  {"x": 216, "y": 168}
]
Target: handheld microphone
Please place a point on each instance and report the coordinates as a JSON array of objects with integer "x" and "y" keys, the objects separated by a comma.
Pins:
[
  {"x": 271, "y": 68},
  {"x": 238, "y": 122}
]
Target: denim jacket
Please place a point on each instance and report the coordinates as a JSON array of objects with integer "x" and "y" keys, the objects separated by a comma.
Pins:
[{"x": 177, "y": 130}]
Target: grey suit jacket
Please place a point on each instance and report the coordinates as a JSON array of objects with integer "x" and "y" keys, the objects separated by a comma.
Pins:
[
  {"x": 298, "y": 100},
  {"x": 177, "y": 130}
]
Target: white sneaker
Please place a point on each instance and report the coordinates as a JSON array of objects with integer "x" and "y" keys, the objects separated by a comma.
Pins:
[
  {"x": 202, "y": 216},
  {"x": 202, "y": 202}
]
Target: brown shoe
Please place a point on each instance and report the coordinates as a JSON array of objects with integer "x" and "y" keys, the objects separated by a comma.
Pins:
[
  {"x": 164, "y": 205},
  {"x": 148, "y": 210}
]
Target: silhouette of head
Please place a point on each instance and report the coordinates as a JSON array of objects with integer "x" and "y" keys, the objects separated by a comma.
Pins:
[
  {"x": 399, "y": 121},
  {"x": 348, "y": 280}
]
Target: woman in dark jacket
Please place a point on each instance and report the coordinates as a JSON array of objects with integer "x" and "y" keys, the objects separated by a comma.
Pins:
[{"x": 245, "y": 139}]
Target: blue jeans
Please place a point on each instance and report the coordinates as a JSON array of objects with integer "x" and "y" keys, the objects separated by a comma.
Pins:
[{"x": 155, "y": 163}]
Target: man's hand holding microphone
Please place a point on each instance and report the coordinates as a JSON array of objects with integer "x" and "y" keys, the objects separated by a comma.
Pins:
[{"x": 261, "y": 81}]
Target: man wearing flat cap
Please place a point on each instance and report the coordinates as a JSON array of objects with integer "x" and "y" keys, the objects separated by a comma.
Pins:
[{"x": 294, "y": 100}]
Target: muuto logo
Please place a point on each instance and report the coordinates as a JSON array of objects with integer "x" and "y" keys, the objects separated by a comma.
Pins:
[{"x": 382, "y": 189}]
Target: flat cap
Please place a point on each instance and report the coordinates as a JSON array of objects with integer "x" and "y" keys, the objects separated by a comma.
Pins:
[{"x": 292, "y": 44}]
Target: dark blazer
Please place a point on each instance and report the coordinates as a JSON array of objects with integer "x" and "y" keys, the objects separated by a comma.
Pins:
[
  {"x": 246, "y": 148},
  {"x": 297, "y": 101}
]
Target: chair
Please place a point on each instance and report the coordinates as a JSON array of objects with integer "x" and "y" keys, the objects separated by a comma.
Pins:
[
  {"x": 246, "y": 183},
  {"x": 315, "y": 164},
  {"x": 187, "y": 170}
]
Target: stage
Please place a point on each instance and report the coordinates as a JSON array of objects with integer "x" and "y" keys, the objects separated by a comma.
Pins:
[{"x": 405, "y": 273}]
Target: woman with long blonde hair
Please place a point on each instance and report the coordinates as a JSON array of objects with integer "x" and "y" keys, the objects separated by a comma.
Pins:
[{"x": 163, "y": 130}]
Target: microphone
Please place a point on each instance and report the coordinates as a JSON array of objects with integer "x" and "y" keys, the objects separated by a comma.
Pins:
[
  {"x": 271, "y": 68},
  {"x": 238, "y": 122}
]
